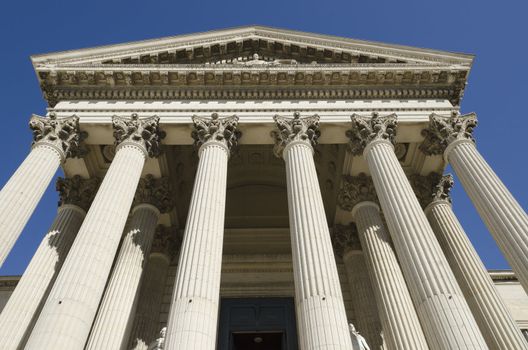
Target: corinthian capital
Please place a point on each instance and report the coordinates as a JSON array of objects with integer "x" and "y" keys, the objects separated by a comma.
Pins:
[
  {"x": 444, "y": 130},
  {"x": 156, "y": 192},
  {"x": 345, "y": 237},
  {"x": 365, "y": 130},
  {"x": 77, "y": 191},
  {"x": 146, "y": 132},
  {"x": 165, "y": 241},
  {"x": 223, "y": 130},
  {"x": 295, "y": 129},
  {"x": 354, "y": 190},
  {"x": 433, "y": 187},
  {"x": 62, "y": 134}
]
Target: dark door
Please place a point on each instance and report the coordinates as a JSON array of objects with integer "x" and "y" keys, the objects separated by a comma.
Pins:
[{"x": 257, "y": 324}]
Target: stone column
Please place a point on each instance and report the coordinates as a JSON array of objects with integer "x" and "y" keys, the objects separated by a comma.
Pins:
[
  {"x": 346, "y": 244},
  {"x": 146, "y": 323},
  {"x": 54, "y": 141},
  {"x": 70, "y": 309},
  {"x": 321, "y": 313},
  {"x": 492, "y": 315},
  {"x": 193, "y": 313},
  {"x": 22, "y": 308},
  {"x": 444, "y": 314},
  {"x": 113, "y": 323},
  {"x": 401, "y": 326},
  {"x": 502, "y": 214}
]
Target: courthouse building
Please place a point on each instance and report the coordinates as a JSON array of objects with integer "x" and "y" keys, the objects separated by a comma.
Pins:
[{"x": 259, "y": 189}]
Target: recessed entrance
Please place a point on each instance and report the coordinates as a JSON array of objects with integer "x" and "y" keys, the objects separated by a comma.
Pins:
[
  {"x": 257, "y": 324},
  {"x": 258, "y": 341}
]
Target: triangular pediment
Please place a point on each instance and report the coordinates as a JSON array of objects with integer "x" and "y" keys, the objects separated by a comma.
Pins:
[{"x": 241, "y": 45}]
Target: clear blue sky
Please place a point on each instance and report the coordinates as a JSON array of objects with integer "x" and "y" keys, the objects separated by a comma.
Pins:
[{"x": 495, "y": 31}]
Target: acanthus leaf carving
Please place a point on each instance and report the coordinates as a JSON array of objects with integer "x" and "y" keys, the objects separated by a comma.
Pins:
[
  {"x": 77, "y": 191},
  {"x": 145, "y": 132},
  {"x": 431, "y": 188},
  {"x": 295, "y": 129},
  {"x": 156, "y": 192},
  {"x": 444, "y": 130},
  {"x": 63, "y": 134},
  {"x": 356, "y": 189},
  {"x": 218, "y": 129},
  {"x": 165, "y": 241},
  {"x": 345, "y": 237},
  {"x": 365, "y": 130}
]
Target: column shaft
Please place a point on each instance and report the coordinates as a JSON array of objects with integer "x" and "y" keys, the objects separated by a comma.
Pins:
[
  {"x": 502, "y": 214},
  {"x": 21, "y": 194},
  {"x": 193, "y": 315},
  {"x": 492, "y": 316},
  {"x": 70, "y": 309},
  {"x": 114, "y": 318},
  {"x": 445, "y": 316},
  {"x": 401, "y": 327},
  {"x": 320, "y": 308},
  {"x": 24, "y": 305},
  {"x": 146, "y": 323},
  {"x": 366, "y": 314}
]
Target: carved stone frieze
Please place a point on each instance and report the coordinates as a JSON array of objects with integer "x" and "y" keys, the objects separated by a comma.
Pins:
[
  {"x": 64, "y": 134},
  {"x": 77, "y": 191},
  {"x": 166, "y": 241},
  {"x": 145, "y": 132},
  {"x": 444, "y": 130},
  {"x": 295, "y": 129},
  {"x": 356, "y": 189},
  {"x": 156, "y": 192},
  {"x": 218, "y": 129},
  {"x": 433, "y": 187},
  {"x": 367, "y": 129},
  {"x": 345, "y": 237}
]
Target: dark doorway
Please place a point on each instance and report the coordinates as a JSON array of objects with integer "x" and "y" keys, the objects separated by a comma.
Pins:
[
  {"x": 258, "y": 341},
  {"x": 257, "y": 324}
]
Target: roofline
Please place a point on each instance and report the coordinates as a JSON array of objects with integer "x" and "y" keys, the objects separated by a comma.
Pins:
[{"x": 463, "y": 58}]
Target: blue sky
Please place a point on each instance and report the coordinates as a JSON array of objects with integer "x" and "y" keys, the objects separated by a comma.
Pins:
[{"x": 496, "y": 32}]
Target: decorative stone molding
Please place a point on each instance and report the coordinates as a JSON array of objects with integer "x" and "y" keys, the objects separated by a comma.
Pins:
[
  {"x": 63, "y": 134},
  {"x": 295, "y": 129},
  {"x": 144, "y": 132},
  {"x": 345, "y": 237},
  {"x": 77, "y": 191},
  {"x": 433, "y": 187},
  {"x": 166, "y": 241},
  {"x": 444, "y": 130},
  {"x": 356, "y": 189},
  {"x": 218, "y": 129},
  {"x": 365, "y": 130},
  {"x": 156, "y": 192}
]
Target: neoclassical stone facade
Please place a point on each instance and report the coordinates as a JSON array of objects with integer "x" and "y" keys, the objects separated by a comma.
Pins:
[{"x": 257, "y": 188}]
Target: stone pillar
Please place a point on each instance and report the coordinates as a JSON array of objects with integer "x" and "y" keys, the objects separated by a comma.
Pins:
[
  {"x": 502, "y": 214},
  {"x": 70, "y": 309},
  {"x": 444, "y": 314},
  {"x": 401, "y": 326},
  {"x": 193, "y": 313},
  {"x": 54, "y": 141},
  {"x": 22, "y": 308},
  {"x": 146, "y": 323},
  {"x": 492, "y": 315},
  {"x": 346, "y": 244},
  {"x": 321, "y": 313},
  {"x": 113, "y": 323}
]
